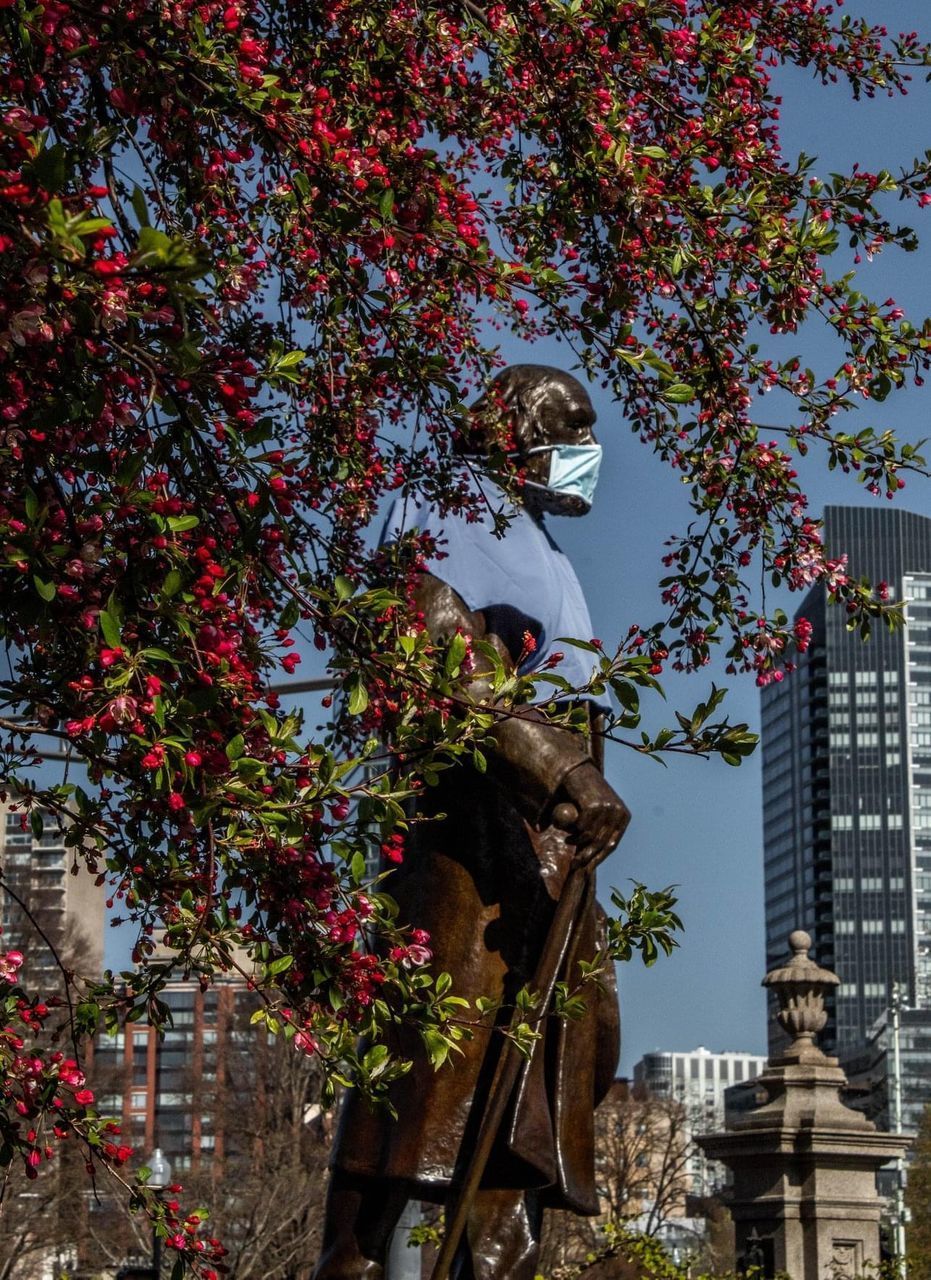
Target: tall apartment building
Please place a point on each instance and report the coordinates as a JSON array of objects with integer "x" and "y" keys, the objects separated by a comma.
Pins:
[
  {"x": 54, "y": 887},
  {"x": 698, "y": 1080},
  {"x": 847, "y": 783},
  {"x": 183, "y": 1090}
]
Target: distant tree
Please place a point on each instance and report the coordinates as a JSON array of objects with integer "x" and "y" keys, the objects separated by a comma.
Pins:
[
  {"x": 918, "y": 1201},
  {"x": 44, "y": 1229},
  {"x": 717, "y": 1252},
  {"x": 642, "y": 1149},
  {"x": 266, "y": 1185}
]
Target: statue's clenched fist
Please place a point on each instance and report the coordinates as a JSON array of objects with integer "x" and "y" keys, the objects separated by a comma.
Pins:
[{"x": 602, "y": 814}]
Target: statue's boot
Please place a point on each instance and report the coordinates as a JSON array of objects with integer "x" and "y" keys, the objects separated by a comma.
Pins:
[
  {"x": 361, "y": 1214},
  {"x": 503, "y": 1234}
]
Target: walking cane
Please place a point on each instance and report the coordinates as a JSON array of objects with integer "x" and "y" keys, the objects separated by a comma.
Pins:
[{"x": 511, "y": 1059}]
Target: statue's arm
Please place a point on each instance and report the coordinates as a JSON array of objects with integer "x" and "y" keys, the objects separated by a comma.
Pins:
[{"x": 540, "y": 764}]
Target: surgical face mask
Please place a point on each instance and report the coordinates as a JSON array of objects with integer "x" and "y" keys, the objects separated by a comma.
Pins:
[{"x": 573, "y": 470}]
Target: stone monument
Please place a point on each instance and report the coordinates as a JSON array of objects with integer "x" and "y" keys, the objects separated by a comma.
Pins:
[{"x": 804, "y": 1198}]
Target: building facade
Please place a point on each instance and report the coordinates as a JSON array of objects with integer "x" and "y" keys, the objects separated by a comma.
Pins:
[
  {"x": 697, "y": 1080},
  {"x": 846, "y": 747},
  {"x": 182, "y": 1090},
  {"x": 870, "y": 1070},
  {"x": 52, "y": 894}
]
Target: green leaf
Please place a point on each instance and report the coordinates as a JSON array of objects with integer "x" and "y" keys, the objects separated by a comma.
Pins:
[
  {"x": 291, "y": 359},
  {"x": 249, "y": 767},
  {"x": 678, "y": 393},
  {"x": 45, "y": 589},
  {"x": 157, "y": 655},
  {"x": 344, "y": 588},
  {"x": 454, "y": 654},
  {"x": 375, "y": 1058},
  {"x": 289, "y": 615},
  {"x": 82, "y": 225},
  {"x": 235, "y": 747},
  {"x": 55, "y": 217},
  {"x": 154, "y": 245},
  {"x": 178, "y": 524},
  {"x": 49, "y": 167},
  {"x": 437, "y": 1047},
  {"x": 131, "y": 467},
  {"x": 172, "y": 584},
  {"x": 137, "y": 200},
  {"x": 358, "y": 697},
  {"x": 578, "y": 644},
  {"x": 110, "y": 628},
  {"x": 279, "y": 965}
]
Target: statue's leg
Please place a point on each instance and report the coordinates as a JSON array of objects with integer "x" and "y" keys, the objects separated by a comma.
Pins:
[
  {"x": 361, "y": 1214},
  {"x": 503, "y": 1234}
]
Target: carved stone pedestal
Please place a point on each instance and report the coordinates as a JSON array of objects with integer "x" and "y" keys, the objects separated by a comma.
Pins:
[{"x": 804, "y": 1166}]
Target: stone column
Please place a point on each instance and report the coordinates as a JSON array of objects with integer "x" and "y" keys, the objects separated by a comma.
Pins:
[{"x": 804, "y": 1166}]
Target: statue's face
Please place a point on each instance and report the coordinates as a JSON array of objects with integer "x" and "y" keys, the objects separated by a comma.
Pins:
[
  {"x": 541, "y": 407},
  {"x": 563, "y": 416}
]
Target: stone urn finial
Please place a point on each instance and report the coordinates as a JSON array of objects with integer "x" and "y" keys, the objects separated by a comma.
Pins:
[{"x": 800, "y": 988}]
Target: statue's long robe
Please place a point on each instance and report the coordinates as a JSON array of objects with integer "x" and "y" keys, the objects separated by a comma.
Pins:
[{"x": 483, "y": 880}]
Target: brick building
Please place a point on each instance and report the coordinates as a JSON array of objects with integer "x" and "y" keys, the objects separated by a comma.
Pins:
[{"x": 177, "y": 1091}]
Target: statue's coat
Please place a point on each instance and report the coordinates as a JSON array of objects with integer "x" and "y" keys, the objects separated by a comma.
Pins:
[{"x": 482, "y": 878}]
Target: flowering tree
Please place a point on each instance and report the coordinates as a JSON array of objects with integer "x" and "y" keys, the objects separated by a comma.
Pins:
[{"x": 255, "y": 255}]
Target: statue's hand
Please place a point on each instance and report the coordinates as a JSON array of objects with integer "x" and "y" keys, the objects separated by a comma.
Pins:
[{"x": 602, "y": 814}]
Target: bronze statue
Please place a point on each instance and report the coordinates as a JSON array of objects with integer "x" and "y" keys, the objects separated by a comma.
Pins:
[{"x": 484, "y": 882}]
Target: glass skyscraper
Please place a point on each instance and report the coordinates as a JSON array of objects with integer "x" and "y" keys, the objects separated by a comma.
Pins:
[{"x": 846, "y": 745}]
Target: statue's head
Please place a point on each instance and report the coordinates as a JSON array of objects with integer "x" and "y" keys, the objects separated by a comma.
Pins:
[{"x": 541, "y": 419}]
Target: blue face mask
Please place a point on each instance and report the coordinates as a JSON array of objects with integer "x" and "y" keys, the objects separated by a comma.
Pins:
[{"x": 573, "y": 470}]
